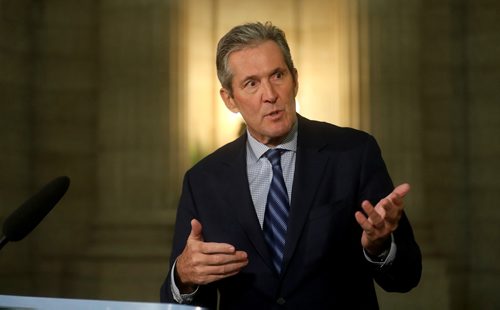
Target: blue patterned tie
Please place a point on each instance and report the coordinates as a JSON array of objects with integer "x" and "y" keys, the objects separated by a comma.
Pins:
[{"x": 277, "y": 208}]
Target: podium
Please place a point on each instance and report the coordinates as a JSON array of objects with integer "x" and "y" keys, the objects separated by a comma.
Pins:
[{"x": 12, "y": 302}]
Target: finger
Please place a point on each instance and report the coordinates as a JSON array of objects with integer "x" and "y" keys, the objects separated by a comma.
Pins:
[
  {"x": 363, "y": 222},
  {"x": 204, "y": 274},
  {"x": 227, "y": 269},
  {"x": 375, "y": 217},
  {"x": 393, "y": 213},
  {"x": 209, "y": 248},
  {"x": 212, "y": 278},
  {"x": 360, "y": 218},
  {"x": 395, "y": 206},
  {"x": 385, "y": 206},
  {"x": 239, "y": 258},
  {"x": 224, "y": 259},
  {"x": 389, "y": 212},
  {"x": 209, "y": 278},
  {"x": 196, "y": 230}
]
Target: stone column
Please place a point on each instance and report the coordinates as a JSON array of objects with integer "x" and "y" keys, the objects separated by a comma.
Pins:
[
  {"x": 140, "y": 156},
  {"x": 63, "y": 113},
  {"x": 396, "y": 121},
  {"x": 473, "y": 229},
  {"x": 17, "y": 41}
]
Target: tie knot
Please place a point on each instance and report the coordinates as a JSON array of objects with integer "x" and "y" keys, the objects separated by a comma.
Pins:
[{"x": 274, "y": 156}]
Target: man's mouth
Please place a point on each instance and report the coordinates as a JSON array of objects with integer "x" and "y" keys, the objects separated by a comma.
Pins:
[{"x": 274, "y": 113}]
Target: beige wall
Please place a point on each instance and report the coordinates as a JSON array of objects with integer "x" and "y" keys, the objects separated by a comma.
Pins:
[{"x": 122, "y": 95}]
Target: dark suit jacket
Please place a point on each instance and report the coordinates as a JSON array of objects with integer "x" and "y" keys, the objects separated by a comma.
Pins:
[{"x": 324, "y": 265}]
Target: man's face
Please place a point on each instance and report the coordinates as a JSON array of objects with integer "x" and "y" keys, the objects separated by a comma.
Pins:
[{"x": 263, "y": 92}]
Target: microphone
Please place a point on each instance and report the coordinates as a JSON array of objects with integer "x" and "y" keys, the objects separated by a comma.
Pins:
[{"x": 23, "y": 220}]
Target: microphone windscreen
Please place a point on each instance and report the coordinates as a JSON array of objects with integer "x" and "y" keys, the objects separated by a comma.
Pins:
[{"x": 23, "y": 220}]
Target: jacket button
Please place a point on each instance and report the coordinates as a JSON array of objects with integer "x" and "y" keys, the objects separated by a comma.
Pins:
[{"x": 281, "y": 301}]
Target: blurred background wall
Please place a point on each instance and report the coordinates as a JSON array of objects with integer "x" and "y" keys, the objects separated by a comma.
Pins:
[{"x": 122, "y": 96}]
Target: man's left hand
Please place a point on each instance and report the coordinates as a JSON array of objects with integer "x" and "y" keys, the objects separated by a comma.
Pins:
[{"x": 380, "y": 221}]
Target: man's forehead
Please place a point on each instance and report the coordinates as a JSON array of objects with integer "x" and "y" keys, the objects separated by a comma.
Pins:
[{"x": 257, "y": 59}]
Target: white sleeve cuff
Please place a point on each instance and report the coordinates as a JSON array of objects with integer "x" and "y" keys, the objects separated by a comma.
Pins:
[
  {"x": 386, "y": 258},
  {"x": 178, "y": 297}
]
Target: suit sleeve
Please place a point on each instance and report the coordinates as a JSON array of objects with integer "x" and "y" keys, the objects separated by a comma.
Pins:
[
  {"x": 206, "y": 296},
  {"x": 405, "y": 271}
]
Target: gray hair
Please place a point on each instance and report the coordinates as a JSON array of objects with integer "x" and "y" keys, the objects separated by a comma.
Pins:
[{"x": 247, "y": 35}]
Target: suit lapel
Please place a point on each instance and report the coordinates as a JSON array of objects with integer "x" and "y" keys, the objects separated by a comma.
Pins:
[
  {"x": 240, "y": 199},
  {"x": 309, "y": 166}
]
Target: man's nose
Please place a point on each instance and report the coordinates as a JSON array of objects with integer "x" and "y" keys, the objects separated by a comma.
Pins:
[{"x": 269, "y": 93}]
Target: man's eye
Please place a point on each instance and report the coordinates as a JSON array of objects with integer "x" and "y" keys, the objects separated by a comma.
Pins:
[
  {"x": 278, "y": 75},
  {"x": 250, "y": 84}
]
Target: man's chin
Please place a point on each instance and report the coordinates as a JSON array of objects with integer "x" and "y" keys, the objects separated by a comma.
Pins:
[{"x": 277, "y": 136}]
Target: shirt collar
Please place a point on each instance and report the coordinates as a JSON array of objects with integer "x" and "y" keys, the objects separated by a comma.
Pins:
[{"x": 256, "y": 149}]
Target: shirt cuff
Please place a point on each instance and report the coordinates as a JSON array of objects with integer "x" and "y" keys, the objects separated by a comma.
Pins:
[
  {"x": 178, "y": 297},
  {"x": 386, "y": 258}
]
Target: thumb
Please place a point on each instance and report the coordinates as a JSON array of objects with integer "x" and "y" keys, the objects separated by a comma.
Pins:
[
  {"x": 196, "y": 230},
  {"x": 399, "y": 193},
  {"x": 402, "y": 190}
]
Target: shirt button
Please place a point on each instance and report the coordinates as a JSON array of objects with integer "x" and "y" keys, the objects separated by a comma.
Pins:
[{"x": 281, "y": 301}]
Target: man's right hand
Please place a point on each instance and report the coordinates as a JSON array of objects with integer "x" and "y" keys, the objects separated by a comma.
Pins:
[{"x": 205, "y": 262}]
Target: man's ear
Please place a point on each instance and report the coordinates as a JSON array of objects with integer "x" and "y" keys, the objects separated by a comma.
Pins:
[{"x": 228, "y": 100}]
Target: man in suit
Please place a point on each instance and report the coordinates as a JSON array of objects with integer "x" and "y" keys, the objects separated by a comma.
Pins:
[{"x": 295, "y": 213}]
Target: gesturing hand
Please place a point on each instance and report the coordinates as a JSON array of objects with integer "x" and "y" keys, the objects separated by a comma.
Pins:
[
  {"x": 380, "y": 221},
  {"x": 204, "y": 262}
]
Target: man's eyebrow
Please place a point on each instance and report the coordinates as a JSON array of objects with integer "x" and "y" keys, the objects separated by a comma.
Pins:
[
  {"x": 279, "y": 69},
  {"x": 249, "y": 77},
  {"x": 256, "y": 77}
]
